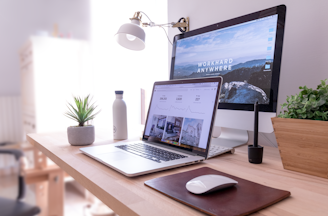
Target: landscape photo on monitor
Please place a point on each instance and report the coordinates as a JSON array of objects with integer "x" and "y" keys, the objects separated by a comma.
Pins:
[{"x": 242, "y": 54}]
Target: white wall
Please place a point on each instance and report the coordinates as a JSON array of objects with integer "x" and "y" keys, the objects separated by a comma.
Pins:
[
  {"x": 117, "y": 68},
  {"x": 305, "y": 48},
  {"x": 23, "y": 18}
]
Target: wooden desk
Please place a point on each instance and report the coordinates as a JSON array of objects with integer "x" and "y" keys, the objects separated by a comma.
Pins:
[{"x": 129, "y": 196}]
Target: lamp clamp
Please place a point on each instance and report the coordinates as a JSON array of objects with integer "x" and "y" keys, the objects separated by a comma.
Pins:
[{"x": 182, "y": 26}]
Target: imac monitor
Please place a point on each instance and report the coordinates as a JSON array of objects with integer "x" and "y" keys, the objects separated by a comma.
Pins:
[{"x": 246, "y": 52}]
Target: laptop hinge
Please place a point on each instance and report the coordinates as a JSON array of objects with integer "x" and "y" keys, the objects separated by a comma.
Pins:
[{"x": 174, "y": 149}]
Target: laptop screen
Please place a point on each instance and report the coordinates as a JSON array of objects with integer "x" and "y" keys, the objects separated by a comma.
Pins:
[{"x": 181, "y": 114}]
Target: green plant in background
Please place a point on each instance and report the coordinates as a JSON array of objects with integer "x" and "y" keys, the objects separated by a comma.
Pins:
[
  {"x": 83, "y": 111},
  {"x": 308, "y": 104}
]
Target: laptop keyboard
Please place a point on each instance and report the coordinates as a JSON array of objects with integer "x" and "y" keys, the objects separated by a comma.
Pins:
[{"x": 150, "y": 152}]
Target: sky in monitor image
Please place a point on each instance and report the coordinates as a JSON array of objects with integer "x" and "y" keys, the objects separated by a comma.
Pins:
[
  {"x": 241, "y": 43},
  {"x": 241, "y": 54}
]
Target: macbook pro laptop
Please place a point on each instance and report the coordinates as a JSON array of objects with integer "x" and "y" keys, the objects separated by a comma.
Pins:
[{"x": 177, "y": 131}]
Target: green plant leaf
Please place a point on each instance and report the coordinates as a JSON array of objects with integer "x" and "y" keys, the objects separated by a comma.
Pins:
[
  {"x": 83, "y": 111},
  {"x": 307, "y": 104}
]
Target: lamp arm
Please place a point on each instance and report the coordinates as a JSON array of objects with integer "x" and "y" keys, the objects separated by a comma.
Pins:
[
  {"x": 164, "y": 25},
  {"x": 152, "y": 24},
  {"x": 182, "y": 26},
  {"x": 178, "y": 24}
]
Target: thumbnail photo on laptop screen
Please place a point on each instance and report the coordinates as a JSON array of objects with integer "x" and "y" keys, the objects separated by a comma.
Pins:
[
  {"x": 181, "y": 114},
  {"x": 242, "y": 54}
]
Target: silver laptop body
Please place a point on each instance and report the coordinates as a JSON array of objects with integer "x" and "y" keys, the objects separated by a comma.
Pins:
[{"x": 177, "y": 131}]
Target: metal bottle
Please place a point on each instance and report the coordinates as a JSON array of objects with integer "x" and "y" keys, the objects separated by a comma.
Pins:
[{"x": 120, "y": 125}]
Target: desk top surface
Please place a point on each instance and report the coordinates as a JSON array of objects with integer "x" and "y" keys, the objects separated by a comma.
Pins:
[{"x": 129, "y": 196}]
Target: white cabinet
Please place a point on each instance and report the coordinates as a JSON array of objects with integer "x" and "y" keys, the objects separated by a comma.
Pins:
[{"x": 52, "y": 71}]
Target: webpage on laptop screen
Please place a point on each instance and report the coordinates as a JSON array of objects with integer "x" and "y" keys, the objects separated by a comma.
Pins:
[{"x": 181, "y": 114}]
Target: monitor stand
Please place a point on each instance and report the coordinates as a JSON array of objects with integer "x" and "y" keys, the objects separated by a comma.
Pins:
[{"x": 231, "y": 138}]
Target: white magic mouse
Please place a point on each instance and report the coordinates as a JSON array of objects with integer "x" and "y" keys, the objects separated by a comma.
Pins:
[{"x": 209, "y": 183}]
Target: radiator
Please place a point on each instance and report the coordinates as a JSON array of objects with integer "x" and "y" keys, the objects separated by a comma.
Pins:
[{"x": 11, "y": 126}]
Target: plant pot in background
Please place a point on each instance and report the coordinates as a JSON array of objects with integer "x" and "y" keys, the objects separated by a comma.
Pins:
[
  {"x": 303, "y": 145},
  {"x": 84, "y": 135}
]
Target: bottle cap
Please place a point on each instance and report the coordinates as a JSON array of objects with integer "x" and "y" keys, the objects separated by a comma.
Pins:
[{"x": 118, "y": 92}]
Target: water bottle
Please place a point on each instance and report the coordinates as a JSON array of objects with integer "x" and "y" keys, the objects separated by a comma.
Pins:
[{"x": 120, "y": 125}]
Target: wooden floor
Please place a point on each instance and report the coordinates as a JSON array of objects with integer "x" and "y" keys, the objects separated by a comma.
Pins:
[
  {"x": 9, "y": 189},
  {"x": 74, "y": 200}
]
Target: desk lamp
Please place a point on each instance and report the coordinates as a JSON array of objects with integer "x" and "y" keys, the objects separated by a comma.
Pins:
[{"x": 132, "y": 36}]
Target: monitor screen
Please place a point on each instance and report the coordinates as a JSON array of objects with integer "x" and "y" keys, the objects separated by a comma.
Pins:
[
  {"x": 181, "y": 114},
  {"x": 242, "y": 51}
]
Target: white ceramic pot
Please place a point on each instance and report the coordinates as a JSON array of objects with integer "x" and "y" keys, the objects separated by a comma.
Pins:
[{"x": 84, "y": 135}]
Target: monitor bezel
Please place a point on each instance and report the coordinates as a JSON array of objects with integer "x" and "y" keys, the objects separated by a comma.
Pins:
[
  {"x": 185, "y": 81},
  {"x": 281, "y": 12}
]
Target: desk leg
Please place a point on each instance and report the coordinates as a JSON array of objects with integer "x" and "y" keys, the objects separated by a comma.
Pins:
[
  {"x": 49, "y": 193},
  {"x": 56, "y": 194},
  {"x": 40, "y": 160},
  {"x": 41, "y": 195}
]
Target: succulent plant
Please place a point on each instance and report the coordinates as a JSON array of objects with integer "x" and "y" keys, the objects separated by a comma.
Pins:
[{"x": 83, "y": 111}]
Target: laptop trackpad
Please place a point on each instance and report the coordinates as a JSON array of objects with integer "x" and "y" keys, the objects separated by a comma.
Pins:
[{"x": 114, "y": 156}]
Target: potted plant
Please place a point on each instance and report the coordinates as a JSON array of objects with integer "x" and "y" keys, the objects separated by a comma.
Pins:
[
  {"x": 302, "y": 131},
  {"x": 84, "y": 111}
]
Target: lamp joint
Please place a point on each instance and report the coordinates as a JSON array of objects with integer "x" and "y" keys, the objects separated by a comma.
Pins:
[{"x": 137, "y": 16}]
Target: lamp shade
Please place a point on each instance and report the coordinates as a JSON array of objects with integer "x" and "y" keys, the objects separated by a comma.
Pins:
[{"x": 131, "y": 36}]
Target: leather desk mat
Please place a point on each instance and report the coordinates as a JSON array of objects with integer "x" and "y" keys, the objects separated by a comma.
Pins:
[{"x": 242, "y": 199}]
